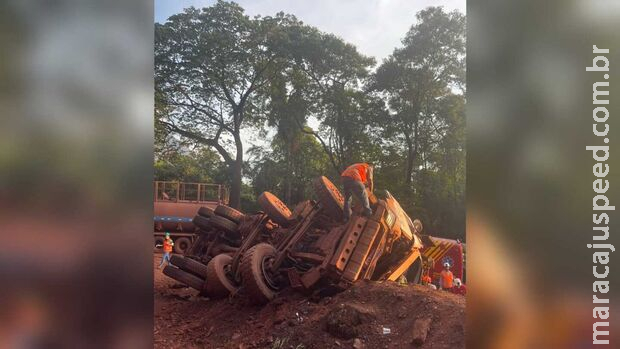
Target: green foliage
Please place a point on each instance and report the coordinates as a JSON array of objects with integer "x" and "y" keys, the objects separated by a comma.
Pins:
[
  {"x": 201, "y": 166},
  {"x": 290, "y": 175},
  {"x": 423, "y": 85}
]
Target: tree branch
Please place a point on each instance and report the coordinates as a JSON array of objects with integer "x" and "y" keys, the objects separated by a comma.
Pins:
[{"x": 214, "y": 142}]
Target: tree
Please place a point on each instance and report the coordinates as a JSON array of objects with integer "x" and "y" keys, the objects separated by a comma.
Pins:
[
  {"x": 429, "y": 66},
  {"x": 292, "y": 182},
  {"x": 335, "y": 71},
  {"x": 209, "y": 64},
  {"x": 423, "y": 85}
]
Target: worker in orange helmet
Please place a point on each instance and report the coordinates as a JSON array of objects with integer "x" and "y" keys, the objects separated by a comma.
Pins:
[
  {"x": 168, "y": 243},
  {"x": 446, "y": 278},
  {"x": 355, "y": 179}
]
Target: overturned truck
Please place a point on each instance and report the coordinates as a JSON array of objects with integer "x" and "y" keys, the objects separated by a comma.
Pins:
[{"x": 308, "y": 249}]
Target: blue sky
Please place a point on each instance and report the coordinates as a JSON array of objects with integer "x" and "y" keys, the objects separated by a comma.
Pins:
[{"x": 374, "y": 26}]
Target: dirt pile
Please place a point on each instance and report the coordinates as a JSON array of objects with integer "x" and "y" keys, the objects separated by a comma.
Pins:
[{"x": 368, "y": 315}]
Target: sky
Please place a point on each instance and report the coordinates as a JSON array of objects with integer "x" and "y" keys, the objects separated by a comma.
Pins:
[{"x": 374, "y": 26}]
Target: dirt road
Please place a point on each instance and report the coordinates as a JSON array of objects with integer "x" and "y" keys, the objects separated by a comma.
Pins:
[{"x": 356, "y": 318}]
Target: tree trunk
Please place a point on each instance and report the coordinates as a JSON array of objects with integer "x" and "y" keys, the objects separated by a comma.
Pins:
[
  {"x": 235, "y": 169},
  {"x": 410, "y": 156},
  {"x": 235, "y": 186},
  {"x": 289, "y": 174}
]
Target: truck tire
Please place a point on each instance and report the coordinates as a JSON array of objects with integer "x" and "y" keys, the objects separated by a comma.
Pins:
[
  {"x": 159, "y": 240},
  {"x": 201, "y": 222},
  {"x": 206, "y": 212},
  {"x": 184, "y": 277},
  {"x": 196, "y": 267},
  {"x": 178, "y": 261},
  {"x": 189, "y": 265},
  {"x": 181, "y": 245},
  {"x": 224, "y": 224},
  {"x": 330, "y": 197},
  {"x": 275, "y": 208},
  {"x": 258, "y": 286},
  {"x": 218, "y": 284},
  {"x": 229, "y": 213}
]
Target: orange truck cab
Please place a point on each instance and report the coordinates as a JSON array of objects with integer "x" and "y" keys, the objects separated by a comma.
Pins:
[{"x": 446, "y": 251}]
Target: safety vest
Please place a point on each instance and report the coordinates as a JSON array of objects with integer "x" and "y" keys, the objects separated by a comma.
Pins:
[
  {"x": 168, "y": 245},
  {"x": 356, "y": 172},
  {"x": 446, "y": 279}
]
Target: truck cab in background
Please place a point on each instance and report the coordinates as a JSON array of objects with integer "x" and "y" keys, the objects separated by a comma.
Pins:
[{"x": 445, "y": 251}]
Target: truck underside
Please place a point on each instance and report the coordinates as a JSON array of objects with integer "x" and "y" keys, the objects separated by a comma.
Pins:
[{"x": 309, "y": 249}]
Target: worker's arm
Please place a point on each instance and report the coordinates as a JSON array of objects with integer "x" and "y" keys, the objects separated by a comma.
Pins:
[{"x": 371, "y": 184}]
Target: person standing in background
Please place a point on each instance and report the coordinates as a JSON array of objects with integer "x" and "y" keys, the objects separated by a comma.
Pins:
[
  {"x": 446, "y": 278},
  {"x": 167, "y": 247}
]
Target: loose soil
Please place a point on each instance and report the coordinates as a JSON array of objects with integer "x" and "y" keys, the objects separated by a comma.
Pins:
[{"x": 356, "y": 318}]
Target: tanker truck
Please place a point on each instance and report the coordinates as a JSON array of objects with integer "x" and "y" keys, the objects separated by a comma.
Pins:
[{"x": 174, "y": 206}]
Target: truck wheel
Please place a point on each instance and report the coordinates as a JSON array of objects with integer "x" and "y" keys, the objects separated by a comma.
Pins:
[
  {"x": 177, "y": 261},
  {"x": 206, "y": 212},
  {"x": 255, "y": 273},
  {"x": 218, "y": 284},
  {"x": 196, "y": 267},
  {"x": 229, "y": 213},
  {"x": 224, "y": 224},
  {"x": 184, "y": 277},
  {"x": 330, "y": 197},
  {"x": 158, "y": 241},
  {"x": 189, "y": 265},
  {"x": 275, "y": 208},
  {"x": 181, "y": 245},
  {"x": 201, "y": 222}
]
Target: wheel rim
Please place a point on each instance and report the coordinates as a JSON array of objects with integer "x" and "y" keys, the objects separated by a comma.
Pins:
[
  {"x": 281, "y": 206},
  {"x": 275, "y": 201},
  {"x": 331, "y": 188},
  {"x": 266, "y": 270}
]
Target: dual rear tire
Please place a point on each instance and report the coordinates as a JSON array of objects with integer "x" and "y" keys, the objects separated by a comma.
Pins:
[
  {"x": 213, "y": 278},
  {"x": 184, "y": 277},
  {"x": 223, "y": 218},
  {"x": 189, "y": 265}
]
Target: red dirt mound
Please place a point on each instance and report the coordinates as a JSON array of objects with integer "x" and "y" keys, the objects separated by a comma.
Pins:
[{"x": 360, "y": 317}]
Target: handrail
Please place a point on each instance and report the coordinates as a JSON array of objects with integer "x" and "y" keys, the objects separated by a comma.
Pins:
[{"x": 174, "y": 191}]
